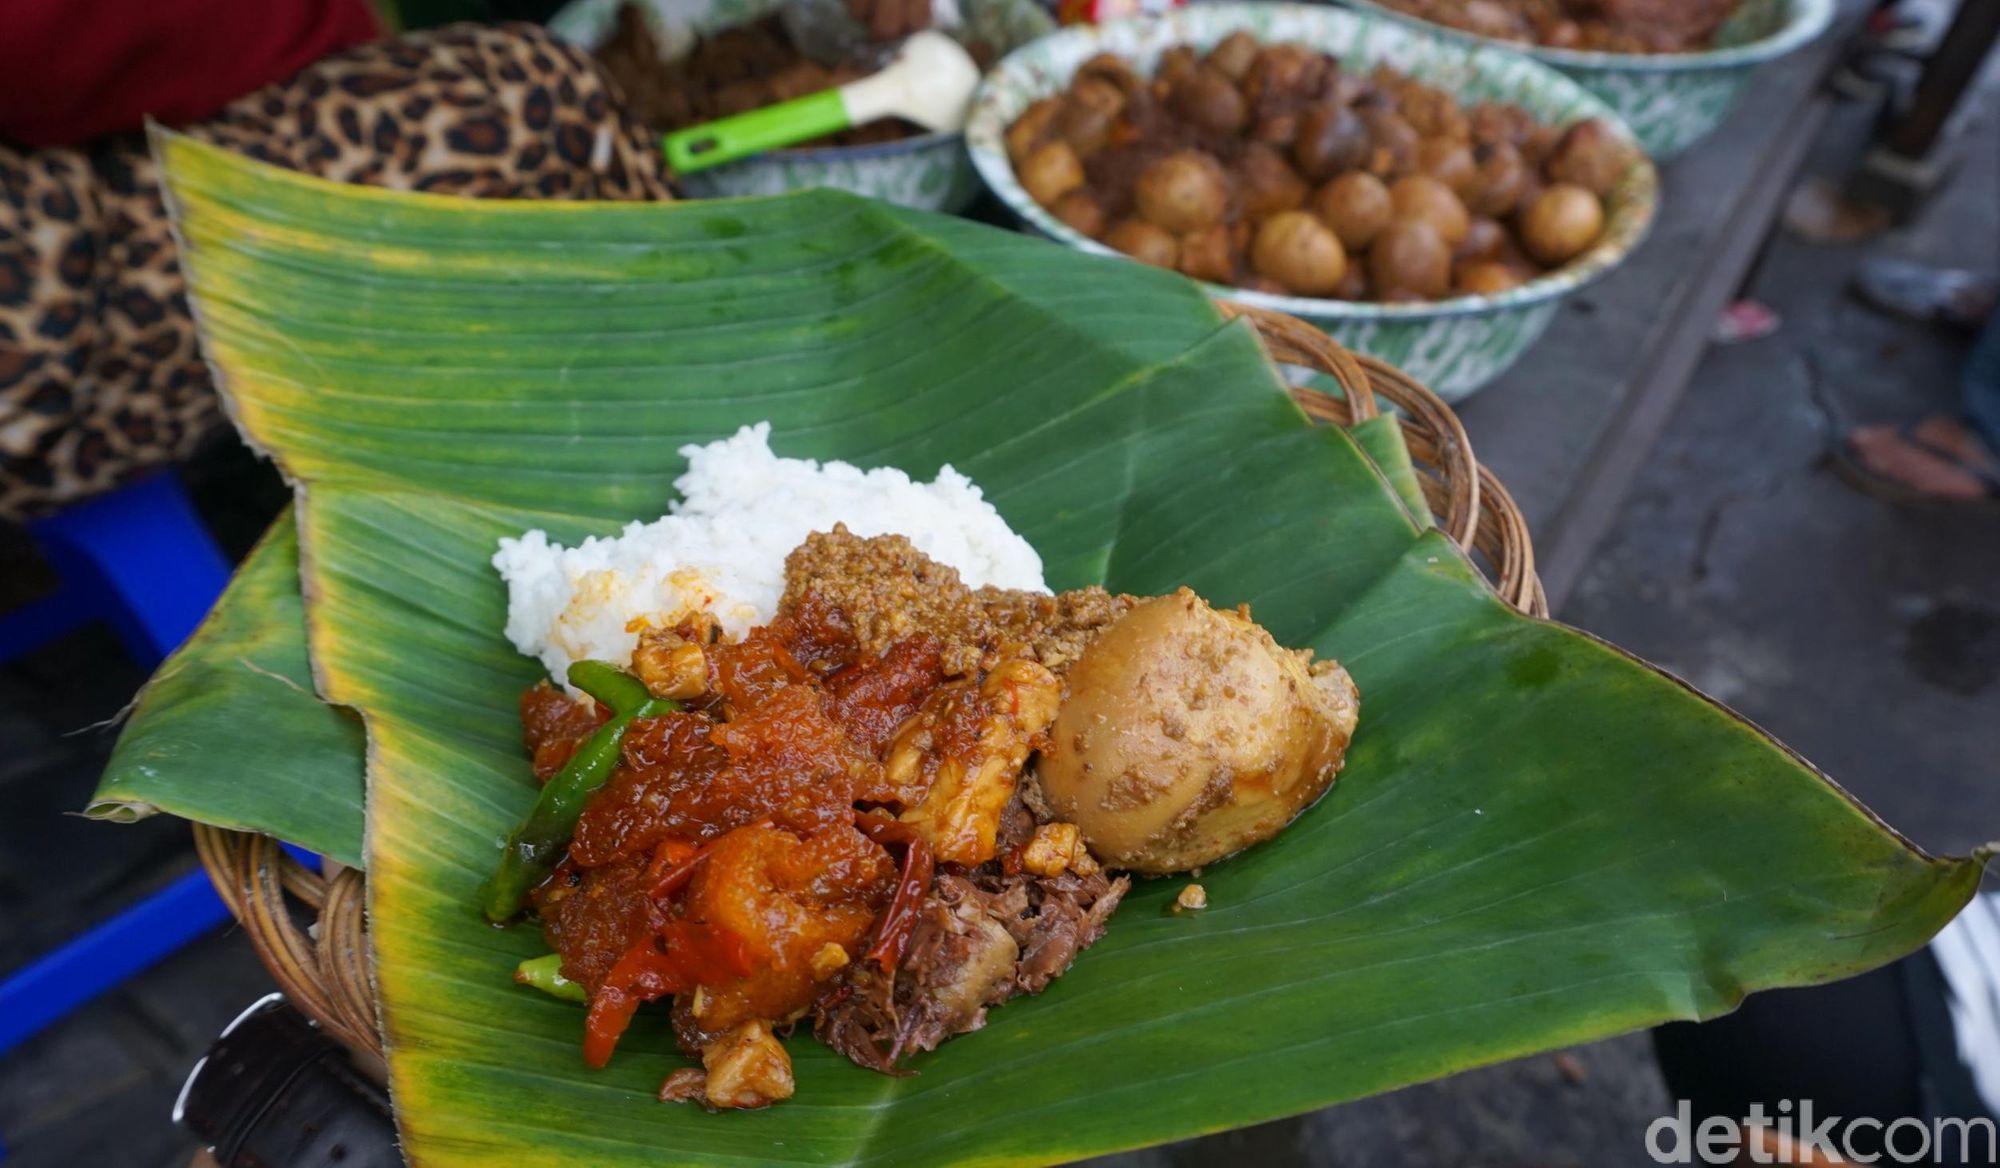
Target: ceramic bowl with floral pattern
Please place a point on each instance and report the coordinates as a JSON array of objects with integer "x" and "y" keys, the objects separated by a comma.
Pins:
[
  {"x": 928, "y": 171},
  {"x": 1456, "y": 345},
  {"x": 1671, "y": 100}
]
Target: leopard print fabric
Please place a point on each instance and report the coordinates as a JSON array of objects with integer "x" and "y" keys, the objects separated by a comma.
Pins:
[{"x": 101, "y": 380}]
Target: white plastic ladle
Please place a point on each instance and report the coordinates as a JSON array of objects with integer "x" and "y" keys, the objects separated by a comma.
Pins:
[{"x": 929, "y": 82}]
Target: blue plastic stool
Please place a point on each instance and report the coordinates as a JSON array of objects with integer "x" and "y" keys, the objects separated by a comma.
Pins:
[{"x": 140, "y": 559}]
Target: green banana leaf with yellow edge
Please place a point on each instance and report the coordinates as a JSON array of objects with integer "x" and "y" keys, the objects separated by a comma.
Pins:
[
  {"x": 1537, "y": 840},
  {"x": 229, "y": 730}
]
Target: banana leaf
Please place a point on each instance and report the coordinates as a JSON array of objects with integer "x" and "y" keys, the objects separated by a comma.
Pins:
[
  {"x": 1381, "y": 439},
  {"x": 229, "y": 731},
  {"x": 1537, "y": 841}
]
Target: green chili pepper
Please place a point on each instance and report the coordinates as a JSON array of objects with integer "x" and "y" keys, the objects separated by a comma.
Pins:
[
  {"x": 545, "y": 974},
  {"x": 537, "y": 845},
  {"x": 609, "y": 684}
]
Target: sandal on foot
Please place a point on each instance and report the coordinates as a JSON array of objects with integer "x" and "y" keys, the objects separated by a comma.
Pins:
[{"x": 1869, "y": 481}]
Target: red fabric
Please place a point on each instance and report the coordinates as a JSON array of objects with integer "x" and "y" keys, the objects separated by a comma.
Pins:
[{"x": 71, "y": 70}]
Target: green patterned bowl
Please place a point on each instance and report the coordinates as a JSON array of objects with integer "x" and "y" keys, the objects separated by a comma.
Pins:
[
  {"x": 929, "y": 171},
  {"x": 1671, "y": 100},
  {"x": 1454, "y": 346}
]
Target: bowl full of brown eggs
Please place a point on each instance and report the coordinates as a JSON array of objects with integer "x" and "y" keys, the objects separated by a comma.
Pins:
[{"x": 1427, "y": 202}]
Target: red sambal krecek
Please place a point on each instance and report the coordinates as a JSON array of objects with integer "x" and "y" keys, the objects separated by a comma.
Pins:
[{"x": 723, "y": 861}]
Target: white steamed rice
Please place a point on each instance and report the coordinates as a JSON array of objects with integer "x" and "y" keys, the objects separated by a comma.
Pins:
[{"x": 722, "y": 548}]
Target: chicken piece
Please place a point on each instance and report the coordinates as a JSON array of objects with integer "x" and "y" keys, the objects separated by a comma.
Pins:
[
  {"x": 672, "y": 665},
  {"x": 746, "y": 1068},
  {"x": 1054, "y": 849},
  {"x": 956, "y": 761}
]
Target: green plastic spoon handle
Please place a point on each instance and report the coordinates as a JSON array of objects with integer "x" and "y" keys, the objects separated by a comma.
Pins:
[{"x": 729, "y": 139}]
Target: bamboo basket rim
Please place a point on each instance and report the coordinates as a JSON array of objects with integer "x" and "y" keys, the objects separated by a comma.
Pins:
[{"x": 324, "y": 968}]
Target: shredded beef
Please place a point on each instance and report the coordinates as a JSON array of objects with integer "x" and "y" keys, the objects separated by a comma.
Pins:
[
  {"x": 1017, "y": 825},
  {"x": 981, "y": 940},
  {"x": 1071, "y": 917},
  {"x": 858, "y": 1018}
]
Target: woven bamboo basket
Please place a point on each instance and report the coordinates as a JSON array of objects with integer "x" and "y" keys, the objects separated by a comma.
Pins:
[{"x": 309, "y": 929}]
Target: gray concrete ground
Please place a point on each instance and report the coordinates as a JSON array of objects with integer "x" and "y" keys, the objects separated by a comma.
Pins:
[{"x": 1865, "y": 636}]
